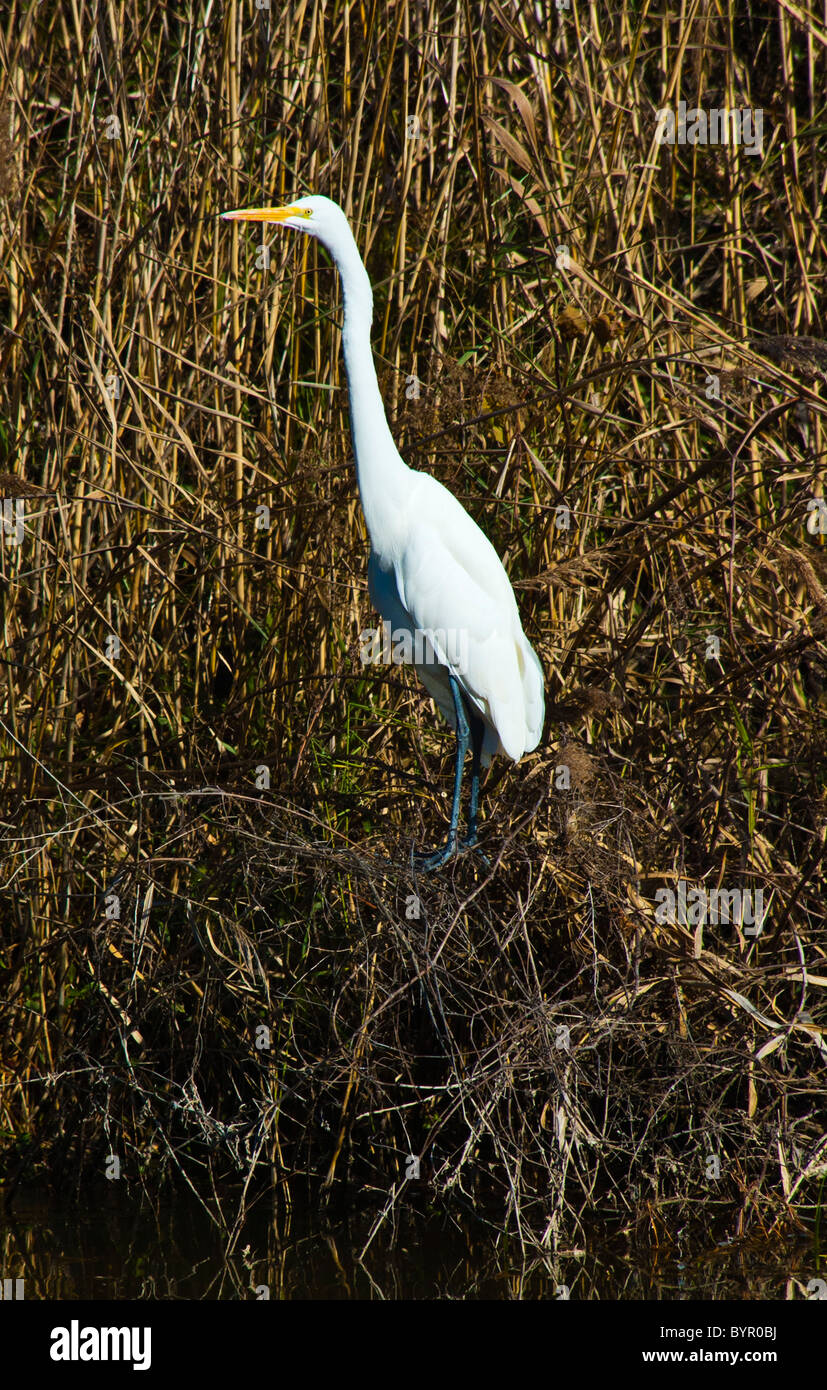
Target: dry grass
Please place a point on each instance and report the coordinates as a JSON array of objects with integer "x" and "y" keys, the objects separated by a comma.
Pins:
[{"x": 208, "y": 806}]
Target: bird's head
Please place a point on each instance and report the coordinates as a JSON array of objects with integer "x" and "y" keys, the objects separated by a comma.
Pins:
[{"x": 317, "y": 216}]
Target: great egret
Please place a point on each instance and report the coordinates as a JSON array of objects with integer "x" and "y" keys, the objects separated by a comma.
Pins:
[{"x": 432, "y": 575}]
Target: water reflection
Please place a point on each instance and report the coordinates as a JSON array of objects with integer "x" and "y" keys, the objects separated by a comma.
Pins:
[{"x": 115, "y": 1249}]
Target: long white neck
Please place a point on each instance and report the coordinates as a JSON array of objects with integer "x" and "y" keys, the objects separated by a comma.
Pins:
[{"x": 384, "y": 478}]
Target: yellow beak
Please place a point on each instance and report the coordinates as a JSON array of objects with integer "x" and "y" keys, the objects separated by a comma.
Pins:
[{"x": 264, "y": 214}]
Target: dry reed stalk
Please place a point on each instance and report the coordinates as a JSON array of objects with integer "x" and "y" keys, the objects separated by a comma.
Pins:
[{"x": 166, "y": 639}]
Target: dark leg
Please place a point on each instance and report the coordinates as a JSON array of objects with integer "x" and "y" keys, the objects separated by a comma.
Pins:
[
  {"x": 441, "y": 856},
  {"x": 477, "y": 735}
]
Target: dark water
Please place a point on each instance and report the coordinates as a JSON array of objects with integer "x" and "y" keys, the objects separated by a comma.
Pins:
[{"x": 112, "y": 1248}]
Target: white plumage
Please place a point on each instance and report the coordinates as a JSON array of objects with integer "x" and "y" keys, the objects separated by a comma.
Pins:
[{"x": 431, "y": 569}]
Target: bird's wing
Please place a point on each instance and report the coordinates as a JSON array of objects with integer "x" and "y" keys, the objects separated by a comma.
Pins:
[
  {"x": 533, "y": 693},
  {"x": 473, "y": 619},
  {"x": 472, "y": 549},
  {"x": 462, "y": 536}
]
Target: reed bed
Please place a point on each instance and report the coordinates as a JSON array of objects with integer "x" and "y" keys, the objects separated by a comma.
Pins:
[{"x": 218, "y": 966}]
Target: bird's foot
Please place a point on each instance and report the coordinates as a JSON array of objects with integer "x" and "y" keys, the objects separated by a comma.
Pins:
[
  {"x": 426, "y": 863},
  {"x": 471, "y": 841}
]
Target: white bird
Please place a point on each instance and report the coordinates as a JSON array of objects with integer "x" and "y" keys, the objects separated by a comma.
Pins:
[{"x": 432, "y": 573}]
